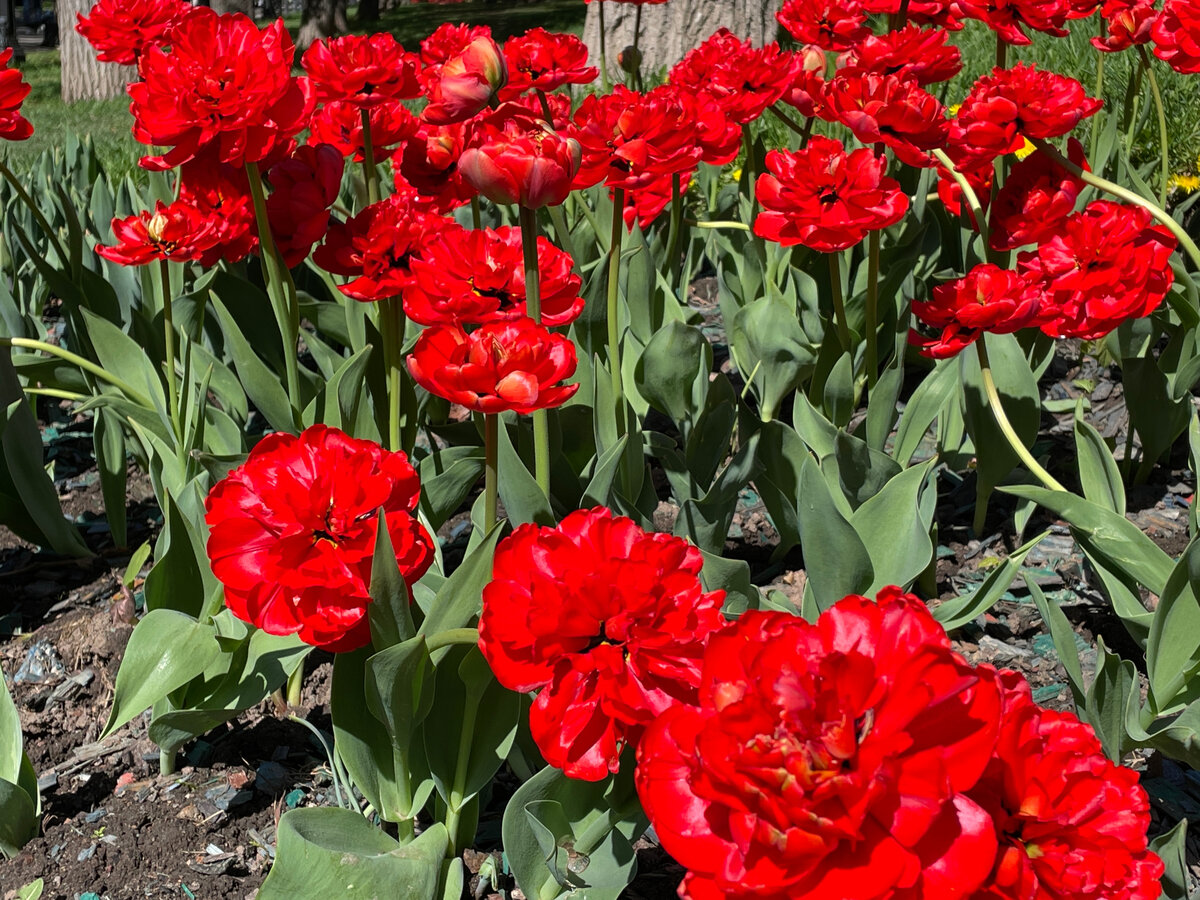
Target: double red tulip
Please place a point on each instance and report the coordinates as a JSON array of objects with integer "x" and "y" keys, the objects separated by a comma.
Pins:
[
  {"x": 742, "y": 79},
  {"x": 824, "y": 198},
  {"x": 340, "y": 123},
  {"x": 13, "y": 91},
  {"x": 1176, "y": 35},
  {"x": 987, "y": 298},
  {"x": 923, "y": 54},
  {"x": 608, "y": 621},
  {"x": 178, "y": 232},
  {"x": 544, "y": 61},
  {"x": 517, "y": 365},
  {"x": 888, "y": 109},
  {"x": 829, "y": 24},
  {"x": 1037, "y": 197},
  {"x": 292, "y": 533},
  {"x": 303, "y": 187},
  {"x": 121, "y": 30},
  {"x": 465, "y": 84},
  {"x": 514, "y": 157},
  {"x": 365, "y": 70}
]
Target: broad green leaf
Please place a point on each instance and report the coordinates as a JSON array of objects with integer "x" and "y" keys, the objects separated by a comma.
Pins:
[
  {"x": 839, "y": 392},
  {"x": 262, "y": 385},
  {"x": 835, "y": 560},
  {"x": 564, "y": 837},
  {"x": 733, "y": 577},
  {"x": 166, "y": 650},
  {"x": 389, "y": 613},
  {"x": 18, "y": 818},
  {"x": 1107, "y": 700},
  {"x": 935, "y": 392},
  {"x": 960, "y": 610},
  {"x": 330, "y": 852},
  {"x": 893, "y": 529},
  {"x": 599, "y": 491},
  {"x": 1098, "y": 472},
  {"x": 1173, "y": 648},
  {"x": 771, "y": 351},
  {"x": 881, "y": 405},
  {"x": 1156, "y": 417},
  {"x": 522, "y": 498},
  {"x": 1171, "y": 849},
  {"x": 459, "y": 600},
  {"x": 11, "y": 748},
  {"x": 1110, "y": 536},
  {"x": 672, "y": 373},
  {"x": 862, "y": 472},
  {"x": 1063, "y": 636},
  {"x": 706, "y": 521},
  {"x": 447, "y": 477},
  {"x": 400, "y": 689},
  {"x": 108, "y": 443},
  {"x": 33, "y": 510},
  {"x": 336, "y": 404},
  {"x": 31, "y": 891},
  {"x": 126, "y": 358},
  {"x": 708, "y": 444}
]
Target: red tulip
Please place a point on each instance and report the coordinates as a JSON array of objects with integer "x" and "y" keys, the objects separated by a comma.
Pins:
[
  {"x": 520, "y": 160},
  {"x": 365, "y": 70},
  {"x": 466, "y": 83},
  {"x": 987, "y": 298},
  {"x": 303, "y": 187},
  {"x": 121, "y": 30},
  {"x": 13, "y": 91}
]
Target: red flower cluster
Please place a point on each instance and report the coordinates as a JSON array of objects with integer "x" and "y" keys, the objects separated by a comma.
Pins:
[
  {"x": 224, "y": 84},
  {"x": 13, "y": 91},
  {"x": 829, "y": 24},
  {"x": 861, "y": 757},
  {"x": 428, "y": 165},
  {"x": 1009, "y": 18},
  {"x": 340, "y": 123},
  {"x": 292, "y": 533},
  {"x": 517, "y": 365},
  {"x": 122, "y": 30},
  {"x": 376, "y": 248},
  {"x": 543, "y": 61},
  {"x": 920, "y": 53},
  {"x": 1106, "y": 265},
  {"x": 178, "y": 232},
  {"x": 889, "y": 109},
  {"x": 987, "y": 298},
  {"x": 478, "y": 276},
  {"x": 515, "y": 157},
  {"x": 608, "y": 621},
  {"x": 743, "y": 80},
  {"x": 827, "y": 760},
  {"x": 1176, "y": 35},
  {"x": 1009, "y": 105},
  {"x": 824, "y": 198},
  {"x": 361, "y": 69},
  {"x": 1037, "y": 197}
]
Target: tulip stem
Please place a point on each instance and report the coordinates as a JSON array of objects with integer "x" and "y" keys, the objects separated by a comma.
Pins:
[
  {"x": 1185, "y": 240},
  {"x": 85, "y": 364},
  {"x": 562, "y": 231},
  {"x": 451, "y": 637},
  {"x": 803, "y": 130},
  {"x": 674, "y": 260},
  {"x": 37, "y": 212},
  {"x": 1099, "y": 88},
  {"x": 295, "y": 686},
  {"x": 839, "y": 303},
  {"x": 614, "y": 308},
  {"x": 282, "y": 291},
  {"x": 968, "y": 193},
  {"x": 456, "y": 801},
  {"x": 164, "y": 276},
  {"x": 604, "y": 82},
  {"x": 533, "y": 308},
  {"x": 637, "y": 34},
  {"x": 1163, "y": 138},
  {"x": 546, "y": 112},
  {"x": 1010, "y": 434},
  {"x": 733, "y": 226},
  {"x": 748, "y": 169},
  {"x": 476, "y": 214},
  {"x": 391, "y": 326},
  {"x": 872, "y": 309},
  {"x": 491, "y": 481},
  {"x": 370, "y": 170}
]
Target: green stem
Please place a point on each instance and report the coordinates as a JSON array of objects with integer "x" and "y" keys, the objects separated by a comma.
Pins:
[
  {"x": 734, "y": 226},
  {"x": 37, "y": 213},
  {"x": 997, "y": 408},
  {"x": 533, "y": 308},
  {"x": 455, "y": 802},
  {"x": 85, "y": 364},
  {"x": 451, "y": 637},
  {"x": 546, "y": 112},
  {"x": 748, "y": 167},
  {"x": 1001, "y": 52},
  {"x": 1099, "y": 89},
  {"x": 968, "y": 193},
  {"x": 391, "y": 327},
  {"x": 604, "y": 82},
  {"x": 1163, "y": 138},
  {"x": 57, "y": 394},
  {"x": 802, "y": 130},
  {"x": 614, "y": 308},
  {"x": 166, "y": 760},
  {"x": 476, "y": 214},
  {"x": 370, "y": 170},
  {"x": 872, "y": 309},
  {"x": 637, "y": 34},
  {"x": 282, "y": 291},
  {"x": 164, "y": 276},
  {"x": 839, "y": 303},
  {"x": 295, "y": 686},
  {"x": 1185, "y": 240},
  {"x": 491, "y": 477},
  {"x": 674, "y": 262}
]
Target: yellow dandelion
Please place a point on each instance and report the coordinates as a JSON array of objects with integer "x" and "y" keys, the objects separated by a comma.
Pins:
[
  {"x": 736, "y": 174},
  {"x": 1185, "y": 183},
  {"x": 953, "y": 110}
]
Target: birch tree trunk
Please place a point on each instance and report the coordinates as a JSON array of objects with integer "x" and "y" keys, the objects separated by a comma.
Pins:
[
  {"x": 671, "y": 29},
  {"x": 83, "y": 76}
]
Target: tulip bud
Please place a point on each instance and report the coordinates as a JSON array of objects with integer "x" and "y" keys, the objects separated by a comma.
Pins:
[
  {"x": 467, "y": 84},
  {"x": 524, "y": 161},
  {"x": 630, "y": 60}
]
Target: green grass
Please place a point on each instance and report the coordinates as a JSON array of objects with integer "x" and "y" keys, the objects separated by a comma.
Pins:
[
  {"x": 107, "y": 121},
  {"x": 413, "y": 23}
]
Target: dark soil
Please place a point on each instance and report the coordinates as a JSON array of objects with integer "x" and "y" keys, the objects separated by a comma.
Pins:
[{"x": 113, "y": 828}]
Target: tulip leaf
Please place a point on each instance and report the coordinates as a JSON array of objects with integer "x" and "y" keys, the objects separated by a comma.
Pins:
[
  {"x": 1063, "y": 636},
  {"x": 960, "y": 610},
  {"x": 881, "y": 405},
  {"x": 708, "y": 441},
  {"x": 460, "y": 598},
  {"x": 1171, "y": 849},
  {"x": 564, "y": 837},
  {"x": 522, "y": 498},
  {"x": 894, "y": 529},
  {"x": 1173, "y": 648},
  {"x": 389, "y": 613},
  {"x": 18, "y": 818},
  {"x": 336, "y": 404},
  {"x": 1106, "y": 535},
  {"x": 771, "y": 351},
  {"x": 262, "y": 385},
  {"x": 862, "y": 472},
  {"x": 1154, "y": 414},
  {"x": 733, "y": 577},
  {"x": 1107, "y": 700},
  {"x": 166, "y": 650},
  {"x": 672, "y": 373},
  {"x": 108, "y": 442},
  {"x": 331, "y": 852},
  {"x": 835, "y": 559},
  {"x": 839, "y": 391},
  {"x": 11, "y": 751},
  {"x": 1098, "y": 473},
  {"x": 447, "y": 476}
]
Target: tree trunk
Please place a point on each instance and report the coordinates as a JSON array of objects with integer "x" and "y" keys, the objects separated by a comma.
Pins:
[
  {"x": 368, "y": 11},
  {"x": 233, "y": 6},
  {"x": 83, "y": 76},
  {"x": 321, "y": 19},
  {"x": 670, "y": 30}
]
